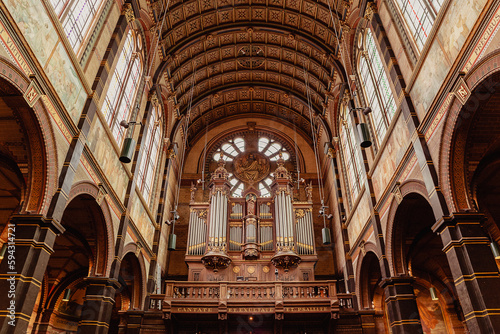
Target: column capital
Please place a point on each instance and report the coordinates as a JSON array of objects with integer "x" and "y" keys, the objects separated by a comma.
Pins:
[
  {"x": 458, "y": 218},
  {"x": 397, "y": 280},
  {"x": 40, "y": 220},
  {"x": 102, "y": 281}
]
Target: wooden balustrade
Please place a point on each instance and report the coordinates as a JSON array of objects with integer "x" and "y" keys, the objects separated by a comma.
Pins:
[
  {"x": 345, "y": 300},
  {"x": 155, "y": 302},
  {"x": 238, "y": 292}
]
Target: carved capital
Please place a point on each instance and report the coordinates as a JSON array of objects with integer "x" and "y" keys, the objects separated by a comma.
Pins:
[
  {"x": 371, "y": 8},
  {"x": 128, "y": 11},
  {"x": 153, "y": 98}
]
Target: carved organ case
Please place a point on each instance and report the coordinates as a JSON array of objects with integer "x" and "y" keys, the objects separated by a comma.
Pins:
[{"x": 251, "y": 228}]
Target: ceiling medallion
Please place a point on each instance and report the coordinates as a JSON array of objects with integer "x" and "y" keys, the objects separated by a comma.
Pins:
[
  {"x": 251, "y": 56},
  {"x": 251, "y": 167}
]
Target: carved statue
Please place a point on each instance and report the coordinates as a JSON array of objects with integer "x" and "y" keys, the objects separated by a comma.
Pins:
[
  {"x": 309, "y": 192},
  {"x": 193, "y": 191},
  {"x": 251, "y": 199}
]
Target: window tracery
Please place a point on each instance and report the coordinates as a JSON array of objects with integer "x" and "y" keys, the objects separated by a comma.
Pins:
[
  {"x": 122, "y": 88},
  {"x": 76, "y": 17},
  {"x": 419, "y": 16},
  {"x": 150, "y": 155},
  {"x": 377, "y": 90},
  {"x": 250, "y": 167},
  {"x": 351, "y": 159}
]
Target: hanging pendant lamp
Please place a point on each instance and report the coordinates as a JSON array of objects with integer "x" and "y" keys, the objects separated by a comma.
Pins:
[
  {"x": 129, "y": 143},
  {"x": 327, "y": 239}
]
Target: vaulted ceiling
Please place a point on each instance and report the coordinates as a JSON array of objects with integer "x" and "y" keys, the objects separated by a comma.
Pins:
[{"x": 250, "y": 58}]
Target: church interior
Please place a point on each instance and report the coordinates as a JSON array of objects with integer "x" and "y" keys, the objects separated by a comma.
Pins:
[{"x": 249, "y": 166}]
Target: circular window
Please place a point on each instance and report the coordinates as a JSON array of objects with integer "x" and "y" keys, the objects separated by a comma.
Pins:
[{"x": 250, "y": 167}]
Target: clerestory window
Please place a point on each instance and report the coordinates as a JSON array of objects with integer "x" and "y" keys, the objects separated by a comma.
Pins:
[
  {"x": 119, "y": 100},
  {"x": 76, "y": 17},
  {"x": 376, "y": 88},
  {"x": 419, "y": 16}
]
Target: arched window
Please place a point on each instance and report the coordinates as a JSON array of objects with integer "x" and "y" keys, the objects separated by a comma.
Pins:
[
  {"x": 350, "y": 155},
  {"x": 150, "y": 155},
  {"x": 76, "y": 17},
  {"x": 122, "y": 88},
  {"x": 419, "y": 16},
  {"x": 236, "y": 147},
  {"x": 377, "y": 90}
]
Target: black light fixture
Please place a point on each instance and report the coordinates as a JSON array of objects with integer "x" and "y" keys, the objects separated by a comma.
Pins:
[
  {"x": 128, "y": 147},
  {"x": 366, "y": 110},
  {"x": 172, "y": 238},
  {"x": 364, "y": 135},
  {"x": 327, "y": 239},
  {"x": 67, "y": 294},
  {"x": 325, "y": 231}
]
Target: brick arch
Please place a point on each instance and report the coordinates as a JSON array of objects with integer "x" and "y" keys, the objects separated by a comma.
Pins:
[
  {"x": 453, "y": 139},
  {"x": 89, "y": 188},
  {"x": 362, "y": 272},
  {"x": 133, "y": 248},
  {"x": 42, "y": 182},
  {"x": 407, "y": 187}
]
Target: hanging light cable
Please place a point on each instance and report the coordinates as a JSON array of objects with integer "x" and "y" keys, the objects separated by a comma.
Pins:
[
  {"x": 204, "y": 156},
  {"x": 325, "y": 231},
  {"x": 175, "y": 215},
  {"x": 299, "y": 180},
  {"x": 337, "y": 35}
]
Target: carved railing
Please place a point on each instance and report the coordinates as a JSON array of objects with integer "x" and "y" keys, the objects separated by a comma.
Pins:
[
  {"x": 156, "y": 301},
  {"x": 251, "y": 293},
  {"x": 345, "y": 300}
]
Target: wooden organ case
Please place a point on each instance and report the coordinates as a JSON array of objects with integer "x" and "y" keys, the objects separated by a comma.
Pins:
[{"x": 251, "y": 238}]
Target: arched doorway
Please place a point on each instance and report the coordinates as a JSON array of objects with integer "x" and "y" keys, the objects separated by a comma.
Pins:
[
  {"x": 371, "y": 294},
  {"x": 80, "y": 252},
  {"x": 417, "y": 252},
  {"x": 129, "y": 296}
]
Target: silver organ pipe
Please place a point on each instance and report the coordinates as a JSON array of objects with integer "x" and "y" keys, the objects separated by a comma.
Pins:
[
  {"x": 305, "y": 238},
  {"x": 197, "y": 233}
]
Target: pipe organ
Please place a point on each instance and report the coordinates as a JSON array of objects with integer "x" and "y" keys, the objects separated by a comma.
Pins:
[
  {"x": 197, "y": 232},
  {"x": 250, "y": 237}
]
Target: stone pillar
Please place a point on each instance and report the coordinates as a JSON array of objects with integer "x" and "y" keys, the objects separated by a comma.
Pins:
[
  {"x": 132, "y": 320},
  {"x": 474, "y": 270},
  {"x": 368, "y": 323},
  {"x": 29, "y": 249},
  {"x": 98, "y": 305},
  {"x": 401, "y": 305}
]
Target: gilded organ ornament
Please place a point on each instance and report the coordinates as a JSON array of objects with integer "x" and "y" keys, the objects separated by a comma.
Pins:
[{"x": 251, "y": 167}]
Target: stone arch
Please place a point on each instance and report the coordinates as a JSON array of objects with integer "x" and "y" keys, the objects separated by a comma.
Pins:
[
  {"x": 134, "y": 248},
  {"x": 481, "y": 79},
  {"x": 407, "y": 187},
  {"x": 37, "y": 124},
  {"x": 98, "y": 193},
  {"x": 366, "y": 261}
]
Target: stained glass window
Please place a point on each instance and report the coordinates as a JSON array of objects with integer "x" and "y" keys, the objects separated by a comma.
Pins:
[
  {"x": 232, "y": 148},
  {"x": 122, "y": 89},
  {"x": 377, "y": 91},
  {"x": 419, "y": 16},
  {"x": 150, "y": 154},
  {"x": 350, "y": 155},
  {"x": 76, "y": 17}
]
